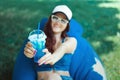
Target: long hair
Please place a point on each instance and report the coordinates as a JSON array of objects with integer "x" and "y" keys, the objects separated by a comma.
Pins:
[{"x": 50, "y": 40}]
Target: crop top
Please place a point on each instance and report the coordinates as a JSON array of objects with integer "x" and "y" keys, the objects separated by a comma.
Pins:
[{"x": 62, "y": 64}]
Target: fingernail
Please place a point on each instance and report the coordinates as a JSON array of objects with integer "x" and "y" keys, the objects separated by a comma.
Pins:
[
  {"x": 44, "y": 63},
  {"x": 34, "y": 52},
  {"x": 39, "y": 64}
]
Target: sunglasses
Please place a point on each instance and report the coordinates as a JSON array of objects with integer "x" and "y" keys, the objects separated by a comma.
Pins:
[{"x": 57, "y": 19}]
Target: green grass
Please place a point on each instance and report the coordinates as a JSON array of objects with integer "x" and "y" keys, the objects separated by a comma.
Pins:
[{"x": 100, "y": 20}]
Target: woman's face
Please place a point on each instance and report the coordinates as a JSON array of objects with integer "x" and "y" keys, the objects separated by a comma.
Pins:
[{"x": 58, "y": 22}]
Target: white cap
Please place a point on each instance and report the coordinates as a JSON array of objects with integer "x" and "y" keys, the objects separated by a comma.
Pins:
[{"x": 64, "y": 9}]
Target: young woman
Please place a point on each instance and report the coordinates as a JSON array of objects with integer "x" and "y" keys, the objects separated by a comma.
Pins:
[{"x": 54, "y": 65}]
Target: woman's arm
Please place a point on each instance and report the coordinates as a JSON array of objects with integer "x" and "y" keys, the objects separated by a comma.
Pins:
[{"x": 68, "y": 46}]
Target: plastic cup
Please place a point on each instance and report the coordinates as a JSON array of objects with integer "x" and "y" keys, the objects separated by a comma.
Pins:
[{"x": 38, "y": 39}]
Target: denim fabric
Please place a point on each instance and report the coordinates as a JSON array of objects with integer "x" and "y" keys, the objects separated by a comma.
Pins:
[{"x": 66, "y": 78}]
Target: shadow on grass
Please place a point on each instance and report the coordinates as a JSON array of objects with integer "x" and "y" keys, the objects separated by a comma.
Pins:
[
  {"x": 99, "y": 24},
  {"x": 18, "y": 18}
]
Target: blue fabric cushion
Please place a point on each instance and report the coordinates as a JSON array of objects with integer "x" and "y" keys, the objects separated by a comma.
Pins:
[{"x": 85, "y": 65}]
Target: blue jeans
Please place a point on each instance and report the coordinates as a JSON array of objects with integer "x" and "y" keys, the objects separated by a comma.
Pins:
[{"x": 66, "y": 78}]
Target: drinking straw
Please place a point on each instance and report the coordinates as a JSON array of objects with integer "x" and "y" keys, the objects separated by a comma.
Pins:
[{"x": 38, "y": 30}]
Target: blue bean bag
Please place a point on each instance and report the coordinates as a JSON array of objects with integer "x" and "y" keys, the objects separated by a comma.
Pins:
[{"x": 85, "y": 65}]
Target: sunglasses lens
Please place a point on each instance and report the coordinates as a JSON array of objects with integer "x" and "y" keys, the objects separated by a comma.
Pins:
[
  {"x": 64, "y": 21},
  {"x": 54, "y": 18}
]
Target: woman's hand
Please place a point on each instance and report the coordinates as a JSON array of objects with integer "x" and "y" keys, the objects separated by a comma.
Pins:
[
  {"x": 29, "y": 51},
  {"x": 48, "y": 58}
]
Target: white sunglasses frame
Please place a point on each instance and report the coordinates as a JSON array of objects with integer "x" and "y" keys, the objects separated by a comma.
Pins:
[{"x": 62, "y": 21}]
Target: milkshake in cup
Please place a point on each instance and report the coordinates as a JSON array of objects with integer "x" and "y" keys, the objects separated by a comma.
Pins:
[{"x": 38, "y": 39}]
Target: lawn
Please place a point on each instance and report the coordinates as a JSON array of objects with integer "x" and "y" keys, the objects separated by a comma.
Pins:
[{"x": 100, "y": 20}]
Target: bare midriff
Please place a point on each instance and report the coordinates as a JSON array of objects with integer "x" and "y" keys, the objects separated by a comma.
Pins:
[{"x": 61, "y": 73}]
